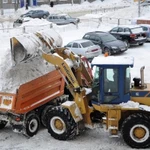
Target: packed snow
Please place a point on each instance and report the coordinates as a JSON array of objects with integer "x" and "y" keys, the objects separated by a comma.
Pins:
[{"x": 12, "y": 76}]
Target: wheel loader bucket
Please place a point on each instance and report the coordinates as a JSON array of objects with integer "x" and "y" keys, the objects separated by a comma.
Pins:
[{"x": 27, "y": 46}]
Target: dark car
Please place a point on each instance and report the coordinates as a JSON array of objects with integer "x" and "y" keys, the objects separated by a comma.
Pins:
[
  {"x": 129, "y": 34},
  {"x": 62, "y": 19},
  {"x": 146, "y": 28},
  {"x": 106, "y": 41},
  {"x": 36, "y": 14}
]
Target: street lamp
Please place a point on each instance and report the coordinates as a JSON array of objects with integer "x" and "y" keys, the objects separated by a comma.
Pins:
[{"x": 139, "y": 12}]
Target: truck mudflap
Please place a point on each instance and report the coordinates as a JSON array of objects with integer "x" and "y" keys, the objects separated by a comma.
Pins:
[
  {"x": 7, "y": 101},
  {"x": 27, "y": 46},
  {"x": 74, "y": 110}
]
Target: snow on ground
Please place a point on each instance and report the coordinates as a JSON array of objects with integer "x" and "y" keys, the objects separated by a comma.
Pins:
[{"x": 96, "y": 139}]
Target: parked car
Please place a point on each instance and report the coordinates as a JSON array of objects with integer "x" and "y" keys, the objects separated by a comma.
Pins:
[
  {"x": 62, "y": 19},
  {"x": 146, "y": 28},
  {"x": 20, "y": 21},
  {"x": 36, "y": 14},
  {"x": 106, "y": 41},
  {"x": 131, "y": 34},
  {"x": 84, "y": 47},
  {"x": 145, "y": 3}
]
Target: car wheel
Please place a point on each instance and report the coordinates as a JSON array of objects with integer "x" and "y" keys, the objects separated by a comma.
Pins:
[
  {"x": 127, "y": 43},
  {"x": 141, "y": 44},
  {"x": 44, "y": 16},
  {"x": 107, "y": 50}
]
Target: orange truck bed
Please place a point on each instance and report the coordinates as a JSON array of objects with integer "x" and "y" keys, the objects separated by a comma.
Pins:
[{"x": 33, "y": 94}]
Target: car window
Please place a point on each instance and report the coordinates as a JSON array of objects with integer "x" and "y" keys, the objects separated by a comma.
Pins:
[
  {"x": 75, "y": 45},
  {"x": 62, "y": 17},
  {"x": 144, "y": 28},
  {"x": 137, "y": 30},
  {"x": 108, "y": 38},
  {"x": 120, "y": 30},
  {"x": 69, "y": 45},
  {"x": 86, "y": 36},
  {"x": 50, "y": 17},
  {"x": 97, "y": 39},
  {"x": 114, "y": 29},
  {"x": 126, "y": 30},
  {"x": 55, "y": 17},
  {"x": 87, "y": 44},
  {"x": 92, "y": 37}
]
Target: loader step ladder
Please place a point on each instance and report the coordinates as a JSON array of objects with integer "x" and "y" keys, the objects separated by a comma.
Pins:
[{"x": 113, "y": 117}]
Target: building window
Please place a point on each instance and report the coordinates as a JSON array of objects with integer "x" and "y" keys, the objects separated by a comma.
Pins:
[
  {"x": 13, "y": 1},
  {"x": 5, "y": 1}
]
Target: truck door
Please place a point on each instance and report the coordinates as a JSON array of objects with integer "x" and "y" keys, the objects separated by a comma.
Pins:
[{"x": 110, "y": 85}]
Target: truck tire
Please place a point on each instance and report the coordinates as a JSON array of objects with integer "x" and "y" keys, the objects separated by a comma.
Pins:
[
  {"x": 44, "y": 116},
  {"x": 60, "y": 124},
  {"x": 32, "y": 124},
  {"x": 136, "y": 131},
  {"x": 2, "y": 124}
]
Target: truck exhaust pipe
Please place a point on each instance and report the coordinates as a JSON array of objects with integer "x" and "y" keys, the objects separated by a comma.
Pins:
[{"x": 142, "y": 76}]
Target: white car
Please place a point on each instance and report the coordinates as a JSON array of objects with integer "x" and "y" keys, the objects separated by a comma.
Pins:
[{"x": 84, "y": 47}]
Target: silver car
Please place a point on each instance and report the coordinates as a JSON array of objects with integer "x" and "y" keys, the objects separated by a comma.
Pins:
[
  {"x": 84, "y": 47},
  {"x": 62, "y": 19}
]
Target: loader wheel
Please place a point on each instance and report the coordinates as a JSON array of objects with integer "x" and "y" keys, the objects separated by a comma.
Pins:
[
  {"x": 32, "y": 124},
  {"x": 136, "y": 131},
  {"x": 44, "y": 116},
  {"x": 2, "y": 124},
  {"x": 61, "y": 125}
]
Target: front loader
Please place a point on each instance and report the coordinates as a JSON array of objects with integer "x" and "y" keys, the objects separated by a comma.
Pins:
[{"x": 123, "y": 107}]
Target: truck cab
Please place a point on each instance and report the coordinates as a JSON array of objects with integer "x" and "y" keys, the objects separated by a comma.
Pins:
[{"x": 111, "y": 83}]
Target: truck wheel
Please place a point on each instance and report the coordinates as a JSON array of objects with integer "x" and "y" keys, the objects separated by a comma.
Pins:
[
  {"x": 44, "y": 116},
  {"x": 2, "y": 124},
  {"x": 61, "y": 125},
  {"x": 136, "y": 131},
  {"x": 32, "y": 124}
]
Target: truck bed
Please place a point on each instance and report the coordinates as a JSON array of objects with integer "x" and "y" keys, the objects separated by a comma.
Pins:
[{"x": 35, "y": 93}]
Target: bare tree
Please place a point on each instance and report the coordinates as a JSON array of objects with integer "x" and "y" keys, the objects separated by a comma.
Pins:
[{"x": 16, "y": 5}]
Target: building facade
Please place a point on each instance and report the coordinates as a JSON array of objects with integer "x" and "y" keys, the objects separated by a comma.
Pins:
[{"x": 10, "y": 4}]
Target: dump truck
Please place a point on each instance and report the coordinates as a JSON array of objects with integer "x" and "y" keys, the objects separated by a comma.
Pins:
[
  {"x": 26, "y": 109},
  {"x": 113, "y": 100}
]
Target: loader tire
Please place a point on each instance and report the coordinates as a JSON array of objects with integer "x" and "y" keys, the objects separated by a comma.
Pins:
[
  {"x": 2, "y": 124},
  {"x": 136, "y": 131},
  {"x": 32, "y": 124},
  {"x": 60, "y": 124}
]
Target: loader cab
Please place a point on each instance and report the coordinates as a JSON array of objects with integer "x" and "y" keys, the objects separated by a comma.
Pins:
[{"x": 111, "y": 80}]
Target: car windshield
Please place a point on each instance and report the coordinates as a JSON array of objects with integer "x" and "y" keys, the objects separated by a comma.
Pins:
[
  {"x": 29, "y": 12},
  {"x": 87, "y": 44},
  {"x": 67, "y": 16},
  {"x": 137, "y": 30},
  {"x": 108, "y": 38}
]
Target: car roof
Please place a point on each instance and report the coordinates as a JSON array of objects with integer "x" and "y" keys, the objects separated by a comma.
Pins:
[
  {"x": 80, "y": 41},
  {"x": 146, "y": 25},
  {"x": 129, "y": 26},
  {"x": 98, "y": 33}
]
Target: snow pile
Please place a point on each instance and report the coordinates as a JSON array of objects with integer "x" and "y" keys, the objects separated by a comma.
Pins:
[
  {"x": 11, "y": 77},
  {"x": 130, "y": 104}
]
